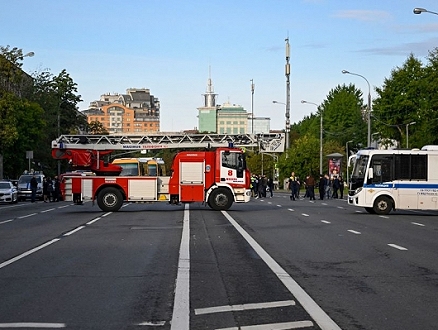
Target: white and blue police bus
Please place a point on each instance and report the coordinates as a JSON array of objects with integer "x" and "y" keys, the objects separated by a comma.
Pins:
[{"x": 385, "y": 180}]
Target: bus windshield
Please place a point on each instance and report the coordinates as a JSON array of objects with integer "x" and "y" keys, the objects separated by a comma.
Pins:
[
  {"x": 360, "y": 167},
  {"x": 129, "y": 169}
]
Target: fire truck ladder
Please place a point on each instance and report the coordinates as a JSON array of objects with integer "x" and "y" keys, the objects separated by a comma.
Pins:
[{"x": 267, "y": 142}]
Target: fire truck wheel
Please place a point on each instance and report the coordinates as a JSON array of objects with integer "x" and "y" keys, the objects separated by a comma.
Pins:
[
  {"x": 220, "y": 199},
  {"x": 382, "y": 205},
  {"x": 110, "y": 199}
]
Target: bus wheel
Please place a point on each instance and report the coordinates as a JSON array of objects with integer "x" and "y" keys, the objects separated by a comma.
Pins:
[
  {"x": 370, "y": 210},
  {"x": 110, "y": 199},
  {"x": 220, "y": 199},
  {"x": 382, "y": 205}
]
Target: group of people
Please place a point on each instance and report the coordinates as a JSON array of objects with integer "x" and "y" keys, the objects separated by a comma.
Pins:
[
  {"x": 51, "y": 189},
  {"x": 260, "y": 185},
  {"x": 329, "y": 187}
]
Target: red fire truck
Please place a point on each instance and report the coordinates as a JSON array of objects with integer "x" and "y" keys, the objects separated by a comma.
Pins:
[{"x": 217, "y": 176}]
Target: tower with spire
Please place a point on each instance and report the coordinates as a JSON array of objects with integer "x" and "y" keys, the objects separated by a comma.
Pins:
[{"x": 207, "y": 113}]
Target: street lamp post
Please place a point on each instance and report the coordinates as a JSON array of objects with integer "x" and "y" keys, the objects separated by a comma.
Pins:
[
  {"x": 369, "y": 104},
  {"x": 287, "y": 125},
  {"x": 320, "y": 136},
  {"x": 422, "y": 10},
  {"x": 407, "y": 133},
  {"x": 287, "y": 74}
]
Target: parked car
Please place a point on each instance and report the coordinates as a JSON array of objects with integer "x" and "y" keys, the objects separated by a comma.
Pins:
[
  {"x": 24, "y": 186},
  {"x": 8, "y": 192}
]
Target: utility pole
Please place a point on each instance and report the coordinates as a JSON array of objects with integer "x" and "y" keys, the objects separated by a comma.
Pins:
[
  {"x": 287, "y": 73},
  {"x": 252, "y": 105}
]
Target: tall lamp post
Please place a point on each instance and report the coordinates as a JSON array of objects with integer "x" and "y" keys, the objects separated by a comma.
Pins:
[
  {"x": 320, "y": 135},
  {"x": 287, "y": 74},
  {"x": 369, "y": 104},
  {"x": 422, "y": 10},
  {"x": 407, "y": 133},
  {"x": 287, "y": 125}
]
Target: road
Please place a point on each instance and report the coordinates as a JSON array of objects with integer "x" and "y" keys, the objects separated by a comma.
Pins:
[{"x": 268, "y": 264}]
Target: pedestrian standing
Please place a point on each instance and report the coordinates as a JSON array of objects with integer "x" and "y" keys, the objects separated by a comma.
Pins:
[
  {"x": 45, "y": 190},
  {"x": 57, "y": 190},
  {"x": 33, "y": 188},
  {"x": 293, "y": 186},
  {"x": 310, "y": 186},
  {"x": 271, "y": 186},
  {"x": 321, "y": 186}
]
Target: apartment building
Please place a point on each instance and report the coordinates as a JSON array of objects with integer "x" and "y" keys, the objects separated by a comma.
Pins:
[{"x": 137, "y": 111}]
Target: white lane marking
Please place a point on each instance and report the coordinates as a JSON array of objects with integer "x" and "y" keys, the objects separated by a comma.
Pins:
[
  {"x": 107, "y": 214},
  {"x": 269, "y": 202},
  {"x": 33, "y": 325},
  {"x": 48, "y": 210},
  {"x": 25, "y": 254},
  {"x": 383, "y": 216},
  {"x": 278, "y": 205},
  {"x": 181, "y": 305},
  {"x": 63, "y": 206},
  {"x": 74, "y": 231},
  {"x": 26, "y": 216},
  {"x": 325, "y": 221},
  {"x": 323, "y": 203},
  {"x": 292, "y": 210},
  {"x": 316, "y": 312},
  {"x": 304, "y": 214},
  {"x": 354, "y": 232},
  {"x": 398, "y": 247},
  {"x": 340, "y": 207},
  {"x": 418, "y": 224},
  {"x": 243, "y": 307},
  {"x": 6, "y": 221},
  {"x": 153, "y": 324},
  {"x": 93, "y": 221},
  {"x": 358, "y": 211},
  {"x": 274, "y": 326}
]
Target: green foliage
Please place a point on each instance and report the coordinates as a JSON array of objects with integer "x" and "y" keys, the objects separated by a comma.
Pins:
[
  {"x": 96, "y": 128},
  {"x": 21, "y": 126}
]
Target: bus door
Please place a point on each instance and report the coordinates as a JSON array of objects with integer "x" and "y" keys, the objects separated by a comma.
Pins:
[{"x": 380, "y": 178}]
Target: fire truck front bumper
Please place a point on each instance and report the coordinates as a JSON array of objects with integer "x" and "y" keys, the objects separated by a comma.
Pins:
[{"x": 242, "y": 195}]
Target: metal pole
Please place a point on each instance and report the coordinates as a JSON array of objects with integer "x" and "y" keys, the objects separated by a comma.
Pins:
[
  {"x": 369, "y": 104},
  {"x": 252, "y": 106},
  {"x": 287, "y": 73},
  {"x": 407, "y": 133}
]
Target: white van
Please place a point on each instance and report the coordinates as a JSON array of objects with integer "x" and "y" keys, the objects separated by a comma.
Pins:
[{"x": 23, "y": 184}]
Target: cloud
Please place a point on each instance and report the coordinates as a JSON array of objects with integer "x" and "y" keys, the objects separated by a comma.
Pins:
[
  {"x": 420, "y": 48},
  {"x": 363, "y": 15}
]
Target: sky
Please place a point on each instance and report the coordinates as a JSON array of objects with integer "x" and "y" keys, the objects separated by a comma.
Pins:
[{"x": 171, "y": 48}]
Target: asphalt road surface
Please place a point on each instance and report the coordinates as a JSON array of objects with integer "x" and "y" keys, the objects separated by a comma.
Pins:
[{"x": 268, "y": 264}]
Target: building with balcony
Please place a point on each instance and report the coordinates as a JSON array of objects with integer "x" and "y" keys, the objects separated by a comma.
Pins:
[{"x": 137, "y": 111}]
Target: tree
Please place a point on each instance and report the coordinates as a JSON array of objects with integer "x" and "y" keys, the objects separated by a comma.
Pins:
[
  {"x": 97, "y": 128},
  {"x": 343, "y": 116},
  {"x": 402, "y": 99}
]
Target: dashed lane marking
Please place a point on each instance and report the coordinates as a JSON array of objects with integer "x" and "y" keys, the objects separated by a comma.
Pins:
[
  {"x": 398, "y": 247},
  {"x": 418, "y": 224},
  {"x": 33, "y": 325},
  {"x": 325, "y": 221},
  {"x": 354, "y": 232}
]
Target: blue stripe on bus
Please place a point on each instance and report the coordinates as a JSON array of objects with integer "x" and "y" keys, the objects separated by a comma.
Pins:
[{"x": 413, "y": 185}]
